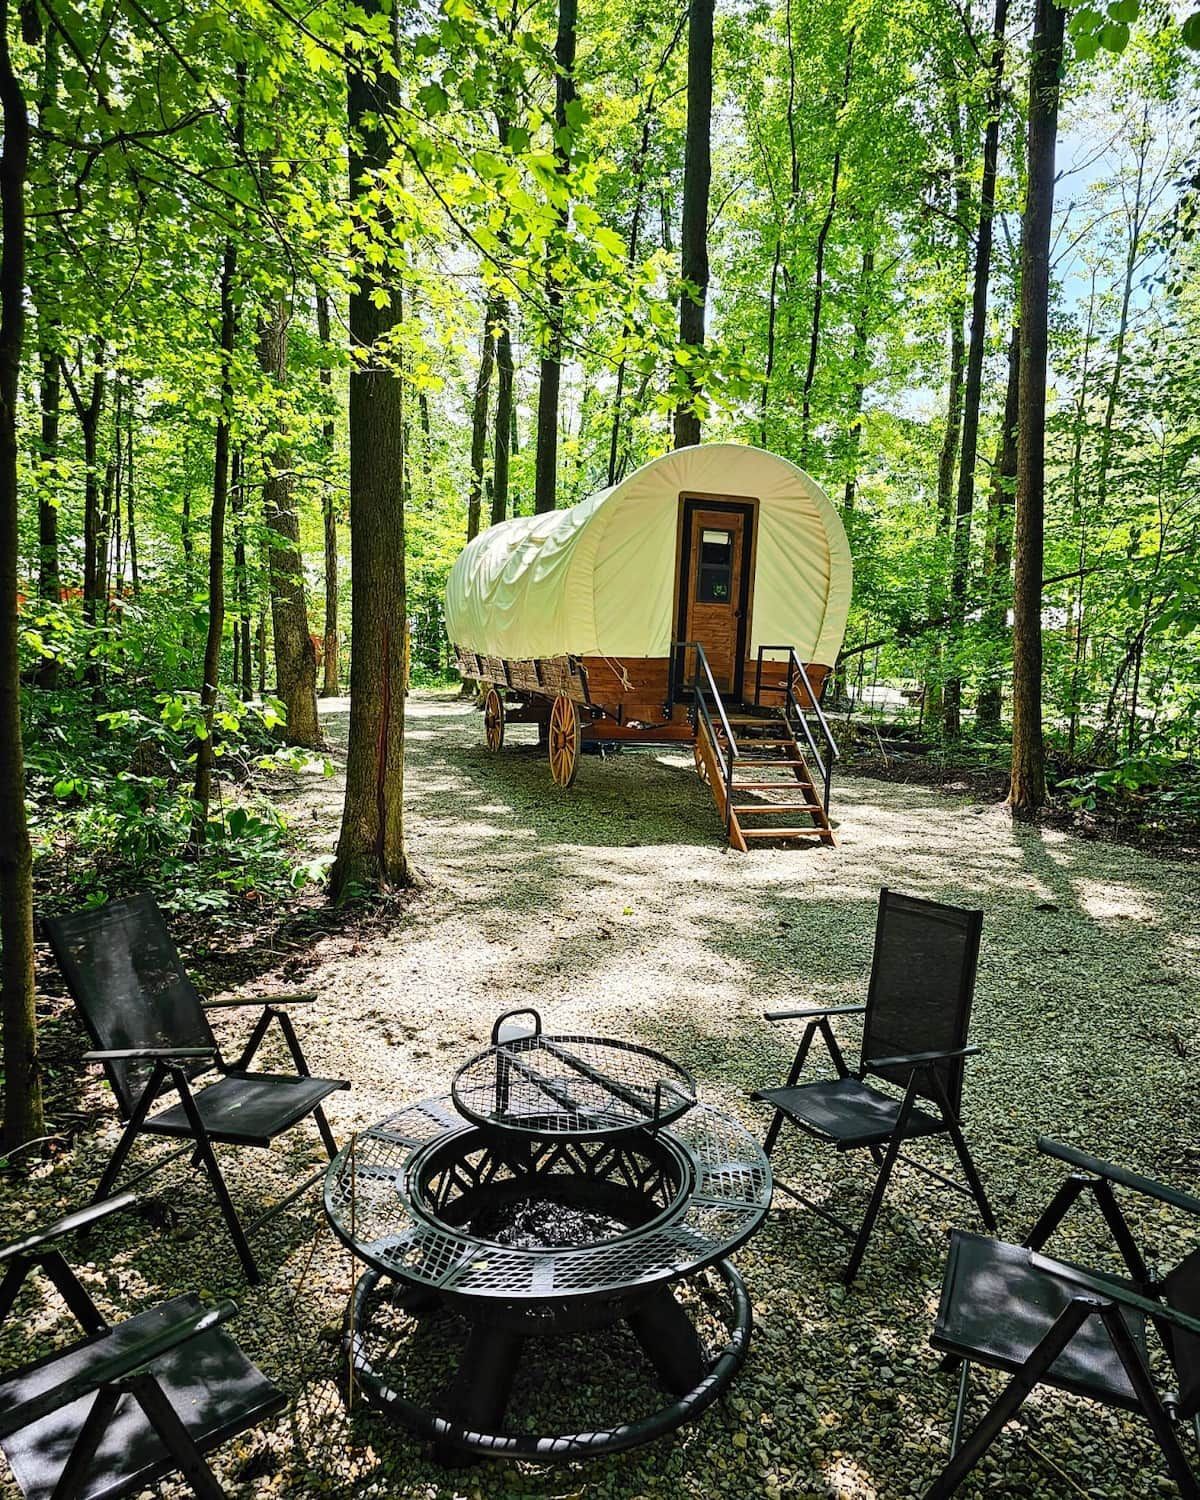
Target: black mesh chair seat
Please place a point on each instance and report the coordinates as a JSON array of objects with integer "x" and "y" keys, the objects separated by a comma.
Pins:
[
  {"x": 914, "y": 1041},
  {"x": 153, "y": 1036},
  {"x": 247, "y": 1109},
  {"x": 997, "y": 1306},
  {"x": 848, "y": 1111},
  {"x": 212, "y": 1386},
  {"x": 1054, "y": 1322}
]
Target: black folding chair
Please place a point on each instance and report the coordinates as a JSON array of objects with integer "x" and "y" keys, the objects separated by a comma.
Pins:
[
  {"x": 153, "y": 1035},
  {"x": 916, "y": 1016},
  {"x": 1049, "y": 1322},
  {"x": 128, "y": 1404}
]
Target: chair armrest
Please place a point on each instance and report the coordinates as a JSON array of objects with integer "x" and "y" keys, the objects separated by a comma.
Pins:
[
  {"x": 1113, "y": 1291},
  {"x": 1132, "y": 1180},
  {"x": 300, "y": 997},
  {"x": 814, "y": 1013},
  {"x": 917, "y": 1059},
  {"x": 115, "y": 1367},
  {"x": 166, "y": 1054},
  {"x": 80, "y": 1219}
]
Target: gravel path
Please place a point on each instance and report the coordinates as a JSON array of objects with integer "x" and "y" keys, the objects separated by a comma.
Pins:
[{"x": 615, "y": 907}]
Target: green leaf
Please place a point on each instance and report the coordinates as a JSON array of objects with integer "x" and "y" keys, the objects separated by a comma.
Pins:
[
  {"x": 1086, "y": 46},
  {"x": 1114, "y": 36},
  {"x": 1190, "y": 31},
  {"x": 1123, "y": 10},
  {"x": 433, "y": 99}
]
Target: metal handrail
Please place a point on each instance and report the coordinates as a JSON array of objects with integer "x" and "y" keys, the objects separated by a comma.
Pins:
[
  {"x": 795, "y": 667},
  {"x": 698, "y": 695}
]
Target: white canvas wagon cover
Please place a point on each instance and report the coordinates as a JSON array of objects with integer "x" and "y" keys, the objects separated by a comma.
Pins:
[{"x": 599, "y": 579}]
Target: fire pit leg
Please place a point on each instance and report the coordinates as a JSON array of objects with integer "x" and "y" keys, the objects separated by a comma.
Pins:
[
  {"x": 478, "y": 1397},
  {"x": 669, "y": 1339}
]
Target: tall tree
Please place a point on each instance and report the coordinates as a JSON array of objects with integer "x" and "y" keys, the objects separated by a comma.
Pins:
[
  {"x": 998, "y": 564},
  {"x": 479, "y": 416},
  {"x": 50, "y": 396},
  {"x": 202, "y": 794},
  {"x": 329, "y": 687},
  {"x": 22, "y": 1079},
  {"x": 295, "y": 656},
  {"x": 370, "y": 851},
  {"x": 693, "y": 237},
  {"x": 818, "y": 297},
  {"x": 546, "y": 458},
  {"x": 1027, "y": 788},
  {"x": 502, "y": 442},
  {"x": 973, "y": 387},
  {"x": 89, "y": 410}
]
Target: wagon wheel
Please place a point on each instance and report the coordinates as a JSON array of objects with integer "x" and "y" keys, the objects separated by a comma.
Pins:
[
  {"x": 493, "y": 719},
  {"x": 566, "y": 733}
]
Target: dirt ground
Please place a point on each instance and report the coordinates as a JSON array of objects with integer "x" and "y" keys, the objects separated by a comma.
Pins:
[{"x": 616, "y": 908}]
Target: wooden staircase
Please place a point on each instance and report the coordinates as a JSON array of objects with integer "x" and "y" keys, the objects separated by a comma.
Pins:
[{"x": 774, "y": 794}]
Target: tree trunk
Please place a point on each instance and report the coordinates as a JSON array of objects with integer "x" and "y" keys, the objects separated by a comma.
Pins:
[
  {"x": 965, "y": 502},
  {"x": 88, "y": 412},
  {"x": 814, "y": 336},
  {"x": 1027, "y": 790},
  {"x": 329, "y": 685},
  {"x": 370, "y": 852},
  {"x": 1079, "y": 516},
  {"x": 502, "y": 442},
  {"x": 22, "y": 1077},
  {"x": 635, "y": 225},
  {"x": 479, "y": 415},
  {"x": 135, "y": 581},
  {"x": 933, "y": 703},
  {"x": 785, "y": 218},
  {"x": 49, "y": 581},
  {"x": 202, "y": 794},
  {"x": 545, "y": 484},
  {"x": 693, "y": 235},
  {"x": 999, "y": 559},
  {"x": 295, "y": 657},
  {"x": 50, "y": 396},
  {"x": 862, "y": 336}
]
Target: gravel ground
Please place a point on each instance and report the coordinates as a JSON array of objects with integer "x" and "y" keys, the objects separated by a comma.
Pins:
[{"x": 615, "y": 907}]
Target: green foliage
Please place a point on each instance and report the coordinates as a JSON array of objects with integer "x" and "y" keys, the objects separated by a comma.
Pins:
[{"x": 110, "y": 802}]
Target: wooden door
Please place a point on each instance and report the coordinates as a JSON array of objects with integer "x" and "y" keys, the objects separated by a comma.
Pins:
[{"x": 714, "y": 586}]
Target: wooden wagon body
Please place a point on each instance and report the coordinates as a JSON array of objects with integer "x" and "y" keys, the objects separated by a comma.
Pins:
[{"x": 710, "y": 586}]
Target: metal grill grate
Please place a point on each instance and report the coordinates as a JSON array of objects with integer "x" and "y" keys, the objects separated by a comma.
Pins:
[
  {"x": 580, "y": 1086},
  {"x": 403, "y": 1198}
]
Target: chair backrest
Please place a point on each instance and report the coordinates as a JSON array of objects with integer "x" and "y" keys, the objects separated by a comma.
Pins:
[
  {"x": 1182, "y": 1292},
  {"x": 922, "y": 981},
  {"x": 126, "y": 977}
]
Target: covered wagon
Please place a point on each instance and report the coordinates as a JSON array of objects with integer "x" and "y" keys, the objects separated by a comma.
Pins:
[{"x": 702, "y": 599}]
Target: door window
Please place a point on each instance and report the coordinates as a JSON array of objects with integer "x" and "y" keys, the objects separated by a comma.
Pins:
[{"x": 714, "y": 583}]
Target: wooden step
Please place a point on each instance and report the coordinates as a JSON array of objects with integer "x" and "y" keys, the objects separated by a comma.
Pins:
[
  {"x": 785, "y": 833},
  {"x": 780, "y": 784},
  {"x": 765, "y": 743},
  {"x": 765, "y": 760},
  {"x": 778, "y": 807}
]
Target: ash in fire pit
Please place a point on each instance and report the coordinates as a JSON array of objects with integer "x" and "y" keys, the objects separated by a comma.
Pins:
[{"x": 539, "y": 1223}]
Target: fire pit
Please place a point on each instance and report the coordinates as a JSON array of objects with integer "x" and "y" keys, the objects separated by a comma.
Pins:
[{"x": 547, "y": 1213}]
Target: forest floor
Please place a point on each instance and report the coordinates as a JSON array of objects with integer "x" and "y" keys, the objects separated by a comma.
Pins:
[{"x": 616, "y": 908}]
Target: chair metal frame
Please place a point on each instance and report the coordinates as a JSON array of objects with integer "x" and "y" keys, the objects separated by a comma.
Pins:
[
  {"x": 1099, "y": 1296},
  {"x": 924, "y": 1081},
  {"x": 127, "y": 1372},
  {"x": 174, "y": 1069}
]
